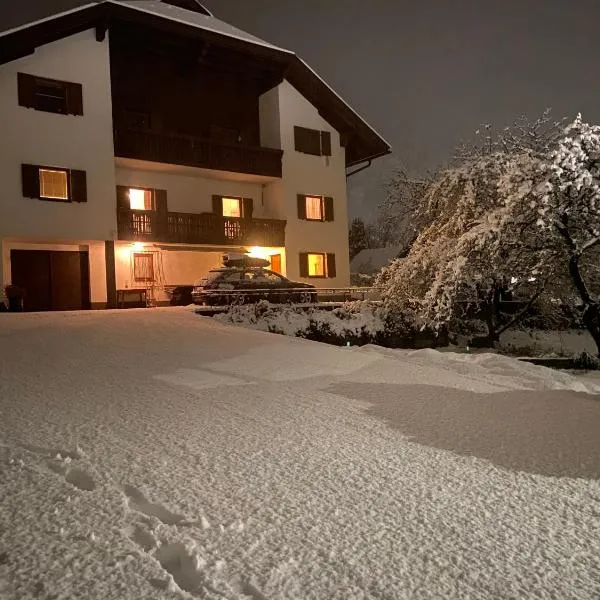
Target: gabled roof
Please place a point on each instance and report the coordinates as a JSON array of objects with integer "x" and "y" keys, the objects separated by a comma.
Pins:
[{"x": 363, "y": 141}]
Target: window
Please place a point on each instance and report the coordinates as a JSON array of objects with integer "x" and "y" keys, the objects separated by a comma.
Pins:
[
  {"x": 317, "y": 264},
  {"x": 312, "y": 141},
  {"x": 50, "y": 95},
  {"x": 140, "y": 199},
  {"x": 315, "y": 208},
  {"x": 54, "y": 183},
  {"x": 143, "y": 267},
  {"x": 232, "y": 207}
]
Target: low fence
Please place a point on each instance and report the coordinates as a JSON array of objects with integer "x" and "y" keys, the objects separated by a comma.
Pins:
[{"x": 311, "y": 296}]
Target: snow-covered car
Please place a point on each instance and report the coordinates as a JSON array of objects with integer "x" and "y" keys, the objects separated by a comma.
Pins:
[{"x": 246, "y": 285}]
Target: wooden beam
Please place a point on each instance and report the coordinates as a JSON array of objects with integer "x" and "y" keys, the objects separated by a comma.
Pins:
[{"x": 101, "y": 30}]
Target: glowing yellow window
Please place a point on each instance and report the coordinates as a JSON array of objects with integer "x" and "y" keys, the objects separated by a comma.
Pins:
[
  {"x": 140, "y": 199},
  {"x": 314, "y": 208},
  {"x": 316, "y": 265},
  {"x": 54, "y": 184},
  {"x": 232, "y": 207}
]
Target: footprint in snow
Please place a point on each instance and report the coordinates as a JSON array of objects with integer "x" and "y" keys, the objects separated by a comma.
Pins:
[
  {"x": 73, "y": 475},
  {"x": 137, "y": 501}
]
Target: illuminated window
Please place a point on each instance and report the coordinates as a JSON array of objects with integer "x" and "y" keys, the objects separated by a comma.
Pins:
[
  {"x": 140, "y": 199},
  {"x": 314, "y": 208},
  {"x": 143, "y": 267},
  {"x": 316, "y": 265},
  {"x": 232, "y": 207},
  {"x": 54, "y": 184}
]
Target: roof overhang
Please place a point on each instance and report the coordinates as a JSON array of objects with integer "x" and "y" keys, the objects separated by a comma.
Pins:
[{"x": 361, "y": 141}]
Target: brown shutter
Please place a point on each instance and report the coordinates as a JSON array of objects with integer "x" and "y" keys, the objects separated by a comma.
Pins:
[
  {"x": 217, "y": 202},
  {"x": 26, "y": 87},
  {"x": 299, "y": 138},
  {"x": 331, "y": 272},
  {"x": 325, "y": 143},
  {"x": 78, "y": 186},
  {"x": 301, "y": 206},
  {"x": 247, "y": 208},
  {"x": 74, "y": 98},
  {"x": 303, "y": 264},
  {"x": 307, "y": 140},
  {"x": 123, "y": 198},
  {"x": 31, "y": 181},
  {"x": 328, "y": 208},
  {"x": 160, "y": 202}
]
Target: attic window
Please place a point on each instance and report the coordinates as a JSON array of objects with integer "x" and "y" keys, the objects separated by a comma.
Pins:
[
  {"x": 50, "y": 95},
  {"x": 312, "y": 141}
]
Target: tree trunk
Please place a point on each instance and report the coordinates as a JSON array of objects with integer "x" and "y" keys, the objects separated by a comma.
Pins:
[{"x": 591, "y": 320}]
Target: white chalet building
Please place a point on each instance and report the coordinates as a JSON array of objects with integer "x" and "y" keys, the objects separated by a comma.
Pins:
[{"x": 140, "y": 140}]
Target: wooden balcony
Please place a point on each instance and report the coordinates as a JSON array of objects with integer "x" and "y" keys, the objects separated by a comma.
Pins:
[
  {"x": 193, "y": 151},
  {"x": 203, "y": 228}
]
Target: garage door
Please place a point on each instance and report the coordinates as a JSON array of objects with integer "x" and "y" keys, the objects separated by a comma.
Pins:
[{"x": 52, "y": 280}]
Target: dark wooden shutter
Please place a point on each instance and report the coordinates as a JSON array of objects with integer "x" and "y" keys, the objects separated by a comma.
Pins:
[
  {"x": 26, "y": 87},
  {"x": 217, "y": 202},
  {"x": 325, "y": 143},
  {"x": 328, "y": 202},
  {"x": 301, "y": 206},
  {"x": 160, "y": 202},
  {"x": 161, "y": 220},
  {"x": 307, "y": 140},
  {"x": 331, "y": 272},
  {"x": 303, "y": 264},
  {"x": 78, "y": 186},
  {"x": 31, "y": 181},
  {"x": 123, "y": 198},
  {"x": 247, "y": 208},
  {"x": 74, "y": 98}
]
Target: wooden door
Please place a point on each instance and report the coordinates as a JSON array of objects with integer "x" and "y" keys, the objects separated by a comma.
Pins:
[
  {"x": 30, "y": 270},
  {"x": 276, "y": 263},
  {"x": 52, "y": 280},
  {"x": 69, "y": 280}
]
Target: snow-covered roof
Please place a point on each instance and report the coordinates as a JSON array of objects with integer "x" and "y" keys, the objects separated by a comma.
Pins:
[
  {"x": 373, "y": 259},
  {"x": 16, "y": 37},
  {"x": 195, "y": 19}
]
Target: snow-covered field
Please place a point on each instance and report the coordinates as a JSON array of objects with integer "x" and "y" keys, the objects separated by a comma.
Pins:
[{"x": 159, "y": 454}]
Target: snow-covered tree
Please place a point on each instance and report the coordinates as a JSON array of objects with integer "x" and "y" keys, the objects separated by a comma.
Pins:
[
  {"x": 478, "y": 234},
  {"x": 358, "y": 238},
  {"x": 568, "y": 210}
]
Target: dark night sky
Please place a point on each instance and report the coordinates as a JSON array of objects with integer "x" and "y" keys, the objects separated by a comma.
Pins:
[{"x": 426, "y": 73}]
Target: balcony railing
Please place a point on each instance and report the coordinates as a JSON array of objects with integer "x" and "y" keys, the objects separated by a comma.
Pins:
[
  {"x": 197, "y": 152},
  {"x": 203, "y": 228}
]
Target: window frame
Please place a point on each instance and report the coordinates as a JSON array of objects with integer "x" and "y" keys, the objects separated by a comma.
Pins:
[
  {"x": 323, "y": 255},
  {"x": 305, "y": 141},
  {"x": 240, "y": 202},
  {"x": 329, "y": 265},
  {"x": 321, "y": 207},
  {"x": 29, "y": 95},
  {"x": 76, "y": 183},
  {"x": 148, "y": 256},
  {"x": 54, "y": 198},
  {"x": 143, "y": 189}
]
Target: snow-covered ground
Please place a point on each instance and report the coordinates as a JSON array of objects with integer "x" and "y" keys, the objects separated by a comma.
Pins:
[{"x": 159, "y": 454}]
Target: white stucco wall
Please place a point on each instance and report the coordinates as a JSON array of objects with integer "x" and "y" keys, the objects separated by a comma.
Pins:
[
  {"x": 306, "y": 174},
  {"x": 84, "y": 142},
  {"x": 193, "y": 194}
]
